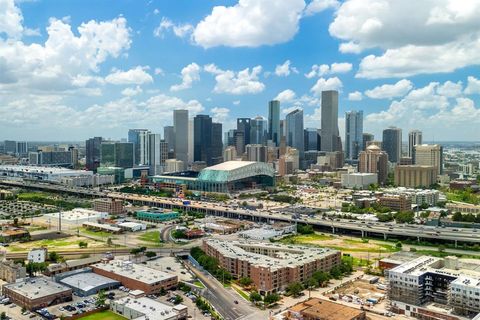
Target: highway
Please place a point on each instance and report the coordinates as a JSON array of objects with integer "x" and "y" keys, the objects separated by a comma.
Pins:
[{"x": 384, "y": 230}]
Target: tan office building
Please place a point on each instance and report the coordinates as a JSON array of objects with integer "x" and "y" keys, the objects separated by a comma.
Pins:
[
  {"x": 415, "y": 176},
  {"x": 374, "y": 160}
]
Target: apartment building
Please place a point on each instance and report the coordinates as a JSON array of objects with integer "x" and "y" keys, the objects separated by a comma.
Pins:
[
  {"x": 451, "y": 283},
  {"x": 396, "y": 202},
  {"x": 272, "y": 267}
]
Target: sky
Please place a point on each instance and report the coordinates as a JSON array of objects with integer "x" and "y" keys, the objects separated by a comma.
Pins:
[{"x": 70, "y": 70}]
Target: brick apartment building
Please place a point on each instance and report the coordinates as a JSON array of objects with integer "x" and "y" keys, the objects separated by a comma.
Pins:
[{"x": 272, "y": 267}]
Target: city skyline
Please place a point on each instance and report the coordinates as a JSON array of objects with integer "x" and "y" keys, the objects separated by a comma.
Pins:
[{"x": 164, "y": 58}]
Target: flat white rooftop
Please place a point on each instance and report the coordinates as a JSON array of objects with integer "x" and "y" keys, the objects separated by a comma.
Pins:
[
  {"x": 87, "y": 281},
  {"x": 79, "y": 214},
  {"x": 151, "y": 309},
  {"x": 134, "y": 271},
  {"x": 35, "y": 288}
]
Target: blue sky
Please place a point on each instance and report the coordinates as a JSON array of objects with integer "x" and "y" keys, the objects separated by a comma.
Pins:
[{"x": 74, "y": 69}]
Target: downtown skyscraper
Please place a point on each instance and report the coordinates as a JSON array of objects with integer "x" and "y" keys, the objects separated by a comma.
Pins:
[
  {"x": 274, "y": 122},
  {"x": 414, "y": 138},
  {"x": 181, "y": 134},
  {"x": 207, "y": 143},
  {"x": 392, "y": 143},
  {"x": 353, "y": 134},
  {"x": 139, "y": 138},
  {"x": 294, "y": 129},
  {"x": 93, "y": 153},
  {"x": 258, "y": 130},
  {"x": 330, "y": 136}
]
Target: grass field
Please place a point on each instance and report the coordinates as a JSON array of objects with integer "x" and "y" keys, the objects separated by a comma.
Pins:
[
  {"x": 358, "y": 248},
  {"x": 103, "y": 315},
  {"x": 150, "y": 236},
  {"x": 52, "y": 244},
  {"x": 198, "y": 284}
]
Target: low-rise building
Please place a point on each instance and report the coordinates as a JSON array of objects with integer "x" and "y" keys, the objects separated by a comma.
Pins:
[
  {"x": 77, "y": 216},
  {"x": 136, "y": 276},
  {"x": 271, "y": 266},
  {"x": 101, "y": 227},
  {"x": 36, "y": 293},
  {"x": 70, "y": 265},
  {"x": 11, "y": 271},
  {"x": 396, "y": 202},
  {"x": 84, "y": 282},
  {"x": 318, "y": 309},
  {"x": 359, "y": 180},
  {"x": 13, "y": 234},
  {"x": 145, "y": 308},
  {"x": 37, "y": 255},
  {"x": 111, "y": 206},
  {"x": 132, "y": 226},
  {"x": 418, "y": 196},
  {"x": 156, "y": 215},
  {"x": 463, "y": 207}
]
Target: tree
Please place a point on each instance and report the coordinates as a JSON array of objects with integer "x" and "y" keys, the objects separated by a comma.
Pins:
[
  {"x": 109, "y": 242},
  {"x": 305, "y": 229},
  {"x": 15, "y": 222},
  {"x": 101, "y": 298},
  {"x": 271, "y": 298},
  {"x": 245, "y": 282},
  {"x": 54, "y": 256},
  {"x": 457, "y": 216},
  {"x": 255, "y": 297},
  {"x": 336, "y": 273},
  {"x": 398, "y": 245},
  {"x": 178, "y": 299},
  {"x": 83, "y": 244},
  {"x": 295, "y": 288},
  {"x": 412, "y": 249},
  {"x": 312, "y": 283},
  {"x": 3, "y": 315},
  {"x": 441, "y": 248},
  {"x": 150, "y": 254},
  {"x": 321, "y": 277}
]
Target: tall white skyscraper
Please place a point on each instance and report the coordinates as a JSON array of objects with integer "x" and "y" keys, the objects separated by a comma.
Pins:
[
  {"x": 353, "y": 134},
  {"x": 158, "y": 153},
  {"x": 414, "y": 138},
  {"x": 180, "y": 125},
  {"x": 139, "y": 138}
]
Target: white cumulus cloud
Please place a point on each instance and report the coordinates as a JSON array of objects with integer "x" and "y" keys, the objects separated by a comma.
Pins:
[
  {"x": 428, "y": 36},
  {"x": 389, "y": 91},
  {"x": 324, "y": 69},
  {"x": 355, "y": 96},
  {"x": 190, "y": 74},
  {"x": 250, "y": 23},
  {"x": 137, "y": 75},
  {"x": 323, "y": 84},
  {"x": 241, "y": 82},
  {"x": 284, "y": 70},
  {"x": 287, "y": 95}
]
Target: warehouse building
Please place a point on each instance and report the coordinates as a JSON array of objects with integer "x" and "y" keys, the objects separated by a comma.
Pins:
[
  {"x": 84, "y": 282},
  {"x": 136, "y": 276},
  {"x": 48, "y": 174},
  {"x": 145, "y": 308},
  {"x": 37, "y": 293},
  {"x": 271, "y": 266},
  {"x": 77, "y": 216}
]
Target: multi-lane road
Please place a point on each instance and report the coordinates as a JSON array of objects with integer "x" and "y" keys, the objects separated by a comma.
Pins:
[{"x": 418, "y": 232}]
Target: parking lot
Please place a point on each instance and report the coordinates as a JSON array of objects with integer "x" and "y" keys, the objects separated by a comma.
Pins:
[{"x": 23, "y": 208}]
